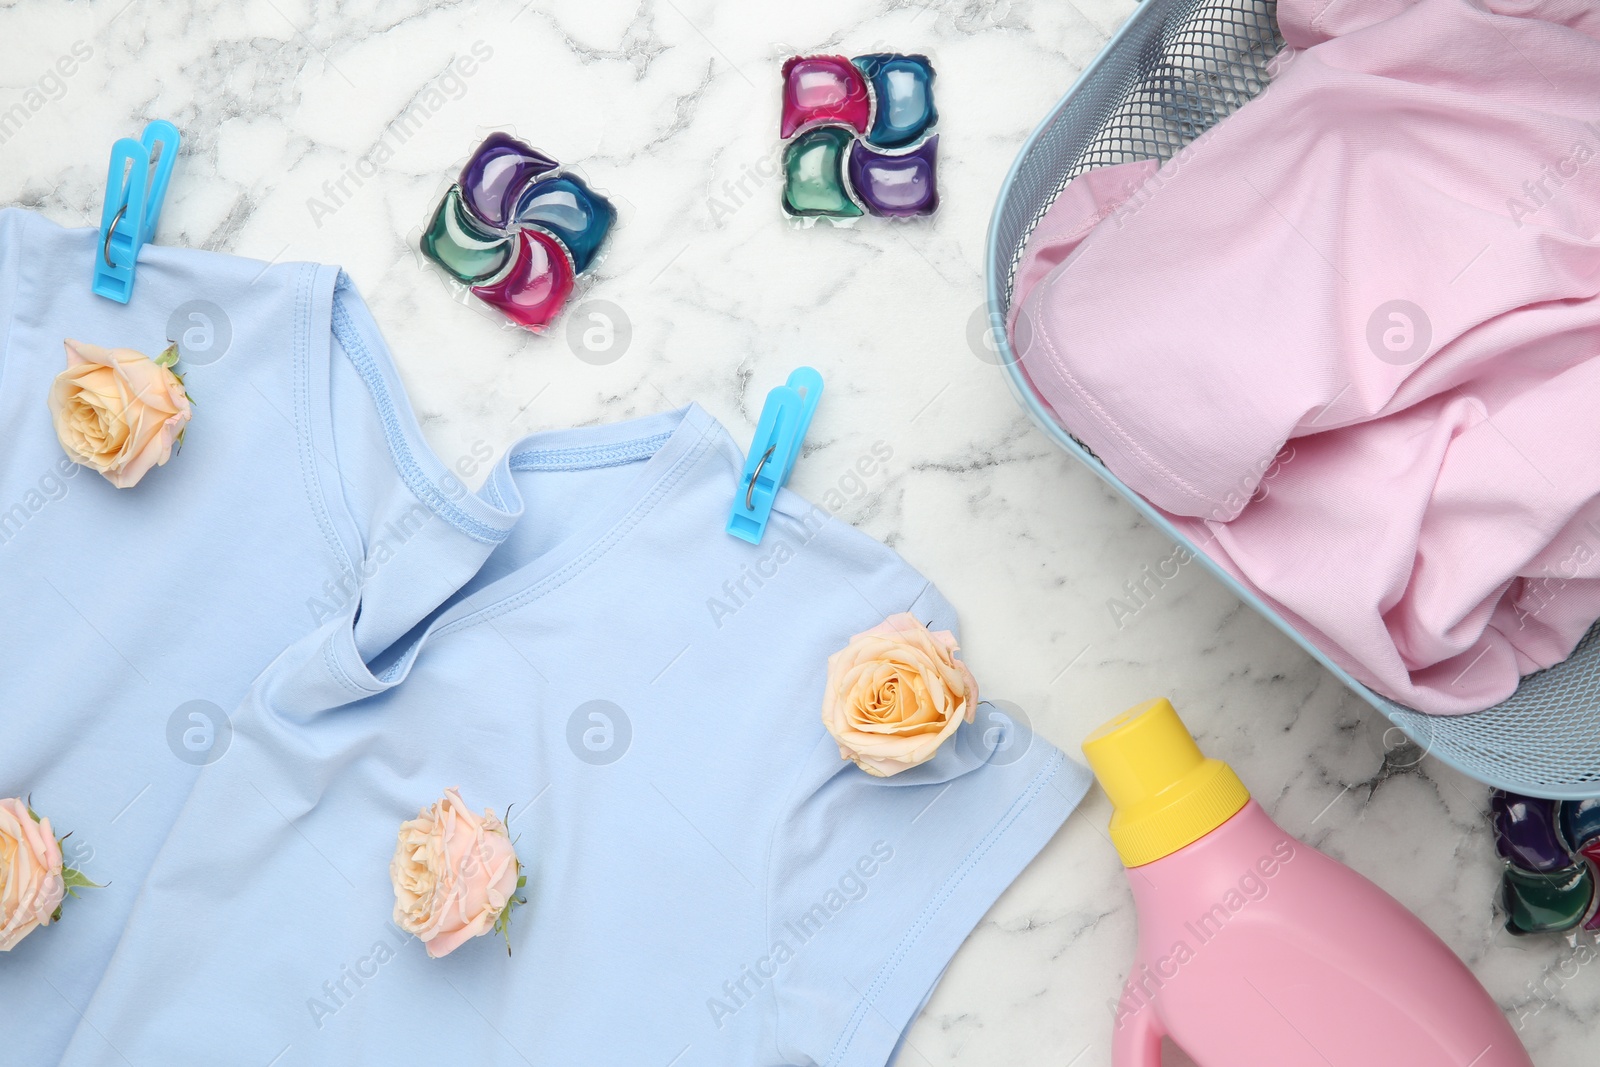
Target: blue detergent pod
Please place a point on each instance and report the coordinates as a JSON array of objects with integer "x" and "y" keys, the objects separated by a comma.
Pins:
[
  {"x": 903, "y": 86},
  {"x": 1580, "y": 823},
  {"x": 571, "y": 211}
]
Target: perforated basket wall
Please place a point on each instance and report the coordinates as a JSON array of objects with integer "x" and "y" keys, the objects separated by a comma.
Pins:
[{"x": 1176, "y": 68}]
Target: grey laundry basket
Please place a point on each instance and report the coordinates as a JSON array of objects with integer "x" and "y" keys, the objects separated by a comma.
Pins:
[{"x": 1175, "y": 69}]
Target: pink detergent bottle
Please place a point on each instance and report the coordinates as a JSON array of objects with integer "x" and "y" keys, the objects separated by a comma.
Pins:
[{"x": 1256, "y": 950}]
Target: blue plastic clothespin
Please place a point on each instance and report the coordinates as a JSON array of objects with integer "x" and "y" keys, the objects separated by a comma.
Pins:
[
  {"x": 780, "y": 432},
  {"x": 136, "y": 184}
]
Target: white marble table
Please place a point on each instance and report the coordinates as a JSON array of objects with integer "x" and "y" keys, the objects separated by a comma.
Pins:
[{"x": 671, "y": 106}]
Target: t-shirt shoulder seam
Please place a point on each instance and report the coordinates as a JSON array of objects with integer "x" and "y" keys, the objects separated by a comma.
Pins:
[
  {"x": 305, "y": 430},
  {"x": 582, "y": 562},
  {"x": 400, "y": 449}
]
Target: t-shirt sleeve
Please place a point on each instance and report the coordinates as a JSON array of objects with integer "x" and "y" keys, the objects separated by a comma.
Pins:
[{"x": 875, "y": 882}]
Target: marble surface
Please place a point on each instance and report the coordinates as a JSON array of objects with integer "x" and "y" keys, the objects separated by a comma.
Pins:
[{"x": 295, "y": 148}]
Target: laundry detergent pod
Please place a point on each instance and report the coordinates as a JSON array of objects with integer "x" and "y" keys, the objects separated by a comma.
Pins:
[
  {"x": 470, "y": 251},
  {"x": 567, "y": 208},
  {"x": 859, "y": 137},
  {"x": 1539, "y": 902},
  {"x": 902, "y": 183},
  {"x": 1525, "y": 832},
  {"x": 902, "y": 94},
  {"x": 823, "y": 89},
  {"x": 516, "y": 231},
  {"x": 537, "y": 287},
  {"x": 1550, "y": 848},
  {"x": 1580, "y": 825},
  {"x": 813, "y": 174},
  {"x": 497, "y": 175}
]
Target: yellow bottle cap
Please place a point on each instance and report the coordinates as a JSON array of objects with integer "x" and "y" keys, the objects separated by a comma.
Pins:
[{"x": 1164, "y": 792}]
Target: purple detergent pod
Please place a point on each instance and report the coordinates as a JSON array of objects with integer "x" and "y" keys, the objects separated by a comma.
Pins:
[
  {"x": 497, "y": 174},
  {"x": 875, "y": 115},
  {"x": 516, "y": 231},
  {"x": 901, "y": 184}
]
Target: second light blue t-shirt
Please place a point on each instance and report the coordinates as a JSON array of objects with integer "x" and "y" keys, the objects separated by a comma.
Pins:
[{"x": 709, "y": 883}]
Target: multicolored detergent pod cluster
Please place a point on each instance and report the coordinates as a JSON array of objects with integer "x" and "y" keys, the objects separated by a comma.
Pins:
[
  {"x": 1551, "y": 849},
  {"x": 517, "y": 230},
  {"x": 859, "y": 137}
]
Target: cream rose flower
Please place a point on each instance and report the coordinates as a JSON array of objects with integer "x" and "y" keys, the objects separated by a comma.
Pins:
[
  {"x": 31, "y": 884},
  {"x": 895, "y": 694},
  {"x": 455, "y": 875},
  {"x": 118, "y": 411}
]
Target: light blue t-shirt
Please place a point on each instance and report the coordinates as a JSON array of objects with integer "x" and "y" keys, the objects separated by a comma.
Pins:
[
  {"x": 131, "y": 618},
  {"x": 708, "y": 882}
]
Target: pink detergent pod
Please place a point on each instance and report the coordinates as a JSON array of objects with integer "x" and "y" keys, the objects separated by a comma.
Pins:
[
  {"x": 516, "y": 230},
  {"x": 1256, "y": 950},
  {"x": 823, "y": 89},
  {"x": 537, "y": 288}
]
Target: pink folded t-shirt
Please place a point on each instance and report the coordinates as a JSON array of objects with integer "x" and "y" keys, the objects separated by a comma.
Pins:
[{"x": 1380, "y": 282}]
